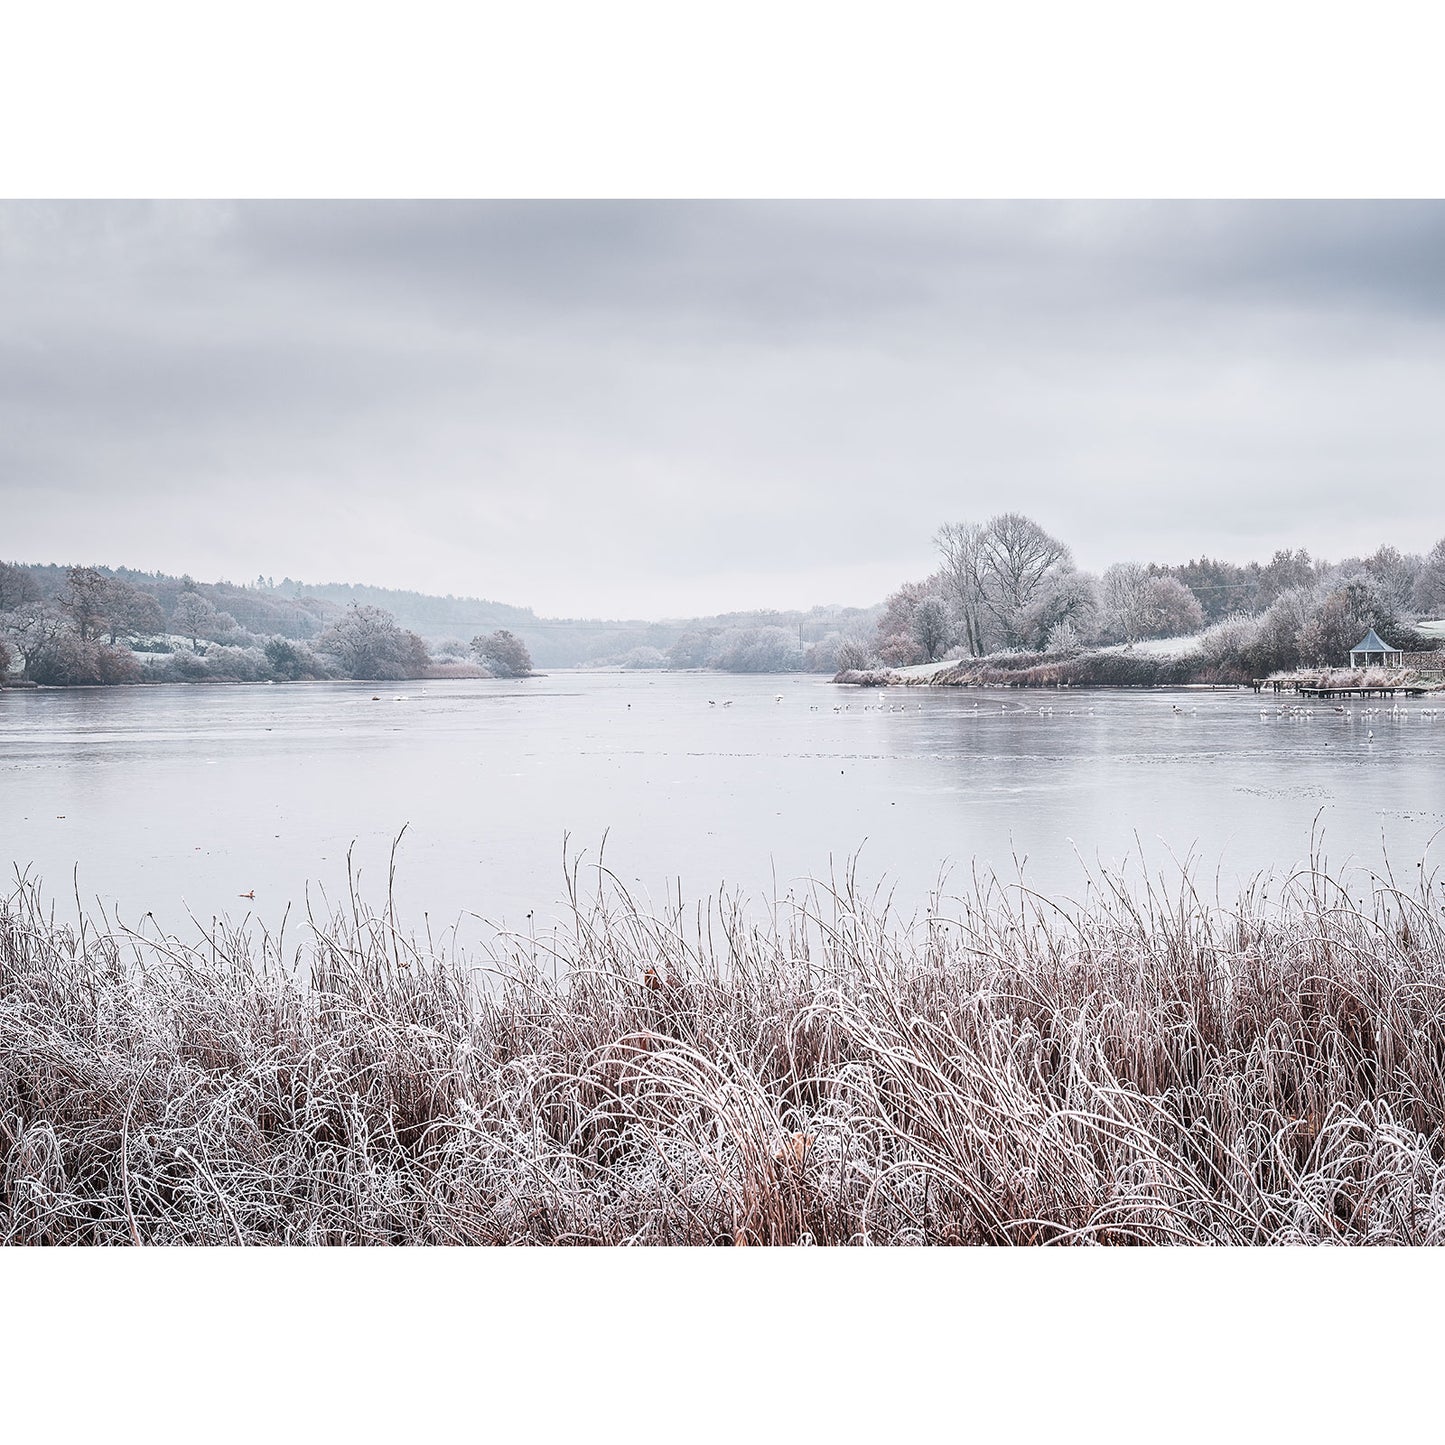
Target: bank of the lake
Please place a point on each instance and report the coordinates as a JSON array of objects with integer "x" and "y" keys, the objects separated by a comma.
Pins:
[{"x": 1148, "y": 1068}]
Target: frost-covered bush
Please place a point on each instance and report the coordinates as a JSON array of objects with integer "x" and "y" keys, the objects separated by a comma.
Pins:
[
  {"x": 70, "y": 661},
  {"x": 1063, "y": 637},
  {"x": 838, "y": 653},
  {"x": 116, "y": 665},
  {"x": 1229, "y": 642},
  {"x": 237, "y": 664},
  {"x": 900, "y": 650},
  {"x": 757, "y": 649},
  {"x": 294, "y": 661},
  {"x": 502, "y": 654},
  {"x": 692, "y": 649},
  {"x": 853, "y": 653},
  {"x": 183, "y": 667}
]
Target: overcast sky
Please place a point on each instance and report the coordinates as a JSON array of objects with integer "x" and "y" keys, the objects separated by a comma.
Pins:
[{"x": 662, "y": 409}]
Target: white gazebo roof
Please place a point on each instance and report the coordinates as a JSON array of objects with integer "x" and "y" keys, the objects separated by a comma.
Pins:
[{"x": 1372, "y": 642}]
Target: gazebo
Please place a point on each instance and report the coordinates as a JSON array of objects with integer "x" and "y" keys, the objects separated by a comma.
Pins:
[{"x": 1372, "y": 651}]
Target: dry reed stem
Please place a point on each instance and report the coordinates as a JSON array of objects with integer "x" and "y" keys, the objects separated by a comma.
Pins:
[{"x": 1143, "y": 1068}]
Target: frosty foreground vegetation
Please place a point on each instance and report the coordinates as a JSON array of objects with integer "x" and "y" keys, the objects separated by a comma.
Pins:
[{"x": 1140, "y": 1069}]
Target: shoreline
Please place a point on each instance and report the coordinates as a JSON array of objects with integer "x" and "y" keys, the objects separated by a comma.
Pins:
[{"x": 1106, "y": 671}]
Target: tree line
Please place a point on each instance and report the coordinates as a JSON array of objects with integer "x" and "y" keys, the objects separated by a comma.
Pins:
[
  {"x": 78, "y": 626},
  {"x": 1007, "y": 586},
  {"x": 1004, "y": 587}
]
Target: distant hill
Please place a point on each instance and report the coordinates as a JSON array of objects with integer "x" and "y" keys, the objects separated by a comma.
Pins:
[
  {"x": 562, "y": 641},
  {"x": 301, "y": 610}
]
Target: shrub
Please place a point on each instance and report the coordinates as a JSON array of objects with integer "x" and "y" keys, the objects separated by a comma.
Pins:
[
  {"x": 293, "y": 661},
  {"x": 237, "y": 664},
  {"x": 115, "y": 665},
  {"x": 757, "y": 649},
  {"x": 183, "y": 667},
  {"x": 503, "y": 654},
  {"x": 900, "y": 650},
  {"x": 67, "y": 662}
]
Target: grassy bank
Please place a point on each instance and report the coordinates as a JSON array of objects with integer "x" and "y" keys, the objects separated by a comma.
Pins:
[
  {"x": 1142, "y": 1069},
  {"x": 1345, "y": 677},
  {"x": 1107, "y": 668},
  {"x": 1121, "y": 667}
]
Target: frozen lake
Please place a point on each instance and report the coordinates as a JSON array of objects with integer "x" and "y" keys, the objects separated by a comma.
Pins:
[{"x": 170, "y": 798}]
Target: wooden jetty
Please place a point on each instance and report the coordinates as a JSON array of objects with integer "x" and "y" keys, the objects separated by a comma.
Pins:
[{"x": 1304, "y": 689}]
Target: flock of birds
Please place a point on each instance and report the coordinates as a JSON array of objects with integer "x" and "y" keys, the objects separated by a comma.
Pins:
[
  {"x": 1292, "y": 711},
  {"x": 1395, "y": 713}
]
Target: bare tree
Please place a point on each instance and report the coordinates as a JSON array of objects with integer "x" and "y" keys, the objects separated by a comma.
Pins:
[
  {"x": 1121, "y": 600},
  {"x": 995, "y": 574},
  {"x": 194, "y": 617},
  {"x": 932, "y": 627},
  {"x": 1018, "y": 557},
  {"x": 1169, "y": 609},
  {"x": 17, "y": 586},
  {"x": 130, "y": 611},
  {"x": 35, "y": 628},
  {"x": 1342, "y": 616},
  {"x": 367, "y": 642},
  {"x": 1428, "y": 594},
  {"x": 1064, "y": 599},
  {"x": 965, "y": 576},
  {"x": 852, "y": 655},
  {"x": 1396, "y": 574},
  {"x": 84, "y": 600},
  {"x": 1284, "y": 570}
]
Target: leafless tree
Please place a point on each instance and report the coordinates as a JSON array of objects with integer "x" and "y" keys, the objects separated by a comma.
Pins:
[
  {"x": 194, "y": 617},
  {"x": 84, "y": 600},
  {"x": 1121, "y": 601},
  {"x": 131, "y": 612},
  {"x": 17, "y": 586},
  {"x": 1064, "y": 598},
  {"x": 1428, "y": 594},
  {"x": 34, "y": 628},
  {"x": 1138, "y": 603},
  {"x": 1018, "y": 556},
  {"x": 965, "y": 575},
  {"x": 1170, "y": 609},
  {"x": 853, "y": 655},
  {"x": 756, "y": 649},
  {"x": 1396, "y": 574},
  {"x": 367, "y": 642},
  {"x": 995, "y": 573},
  {"x": 932, "y": 626}
]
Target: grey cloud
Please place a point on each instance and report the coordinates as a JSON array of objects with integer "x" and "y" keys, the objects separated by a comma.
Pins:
[{"x": 672, "y": 407}]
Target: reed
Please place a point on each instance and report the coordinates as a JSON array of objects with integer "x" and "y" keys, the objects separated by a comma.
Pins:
[{"x": 1147, "y": 1066}]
